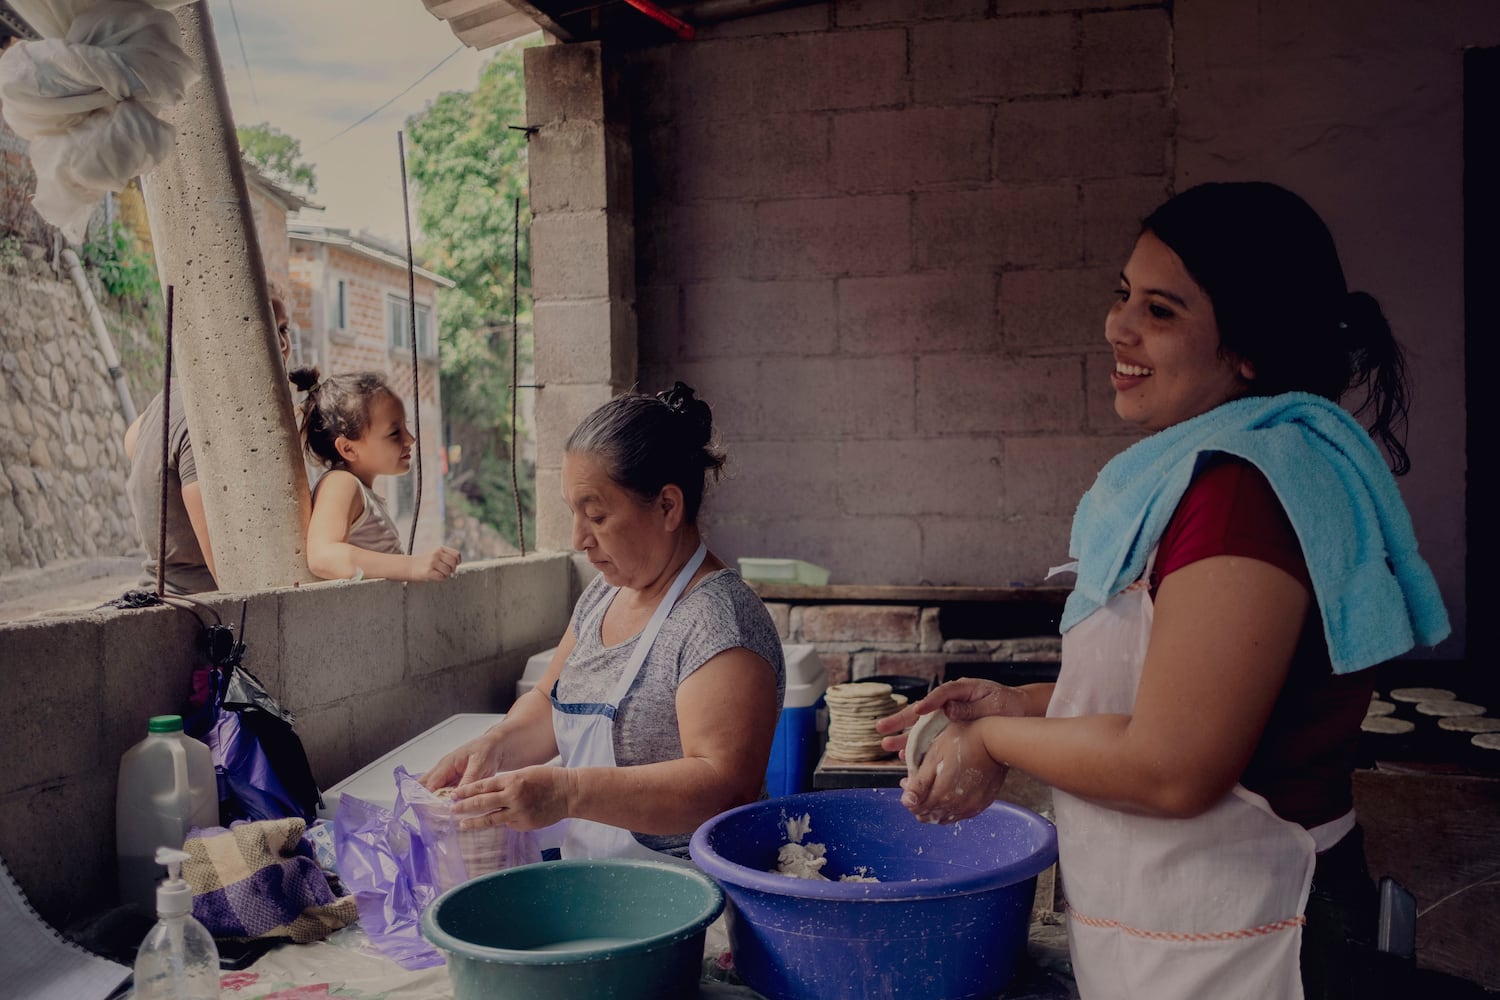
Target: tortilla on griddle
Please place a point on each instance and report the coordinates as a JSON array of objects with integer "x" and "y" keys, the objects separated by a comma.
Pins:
[{"x": 1386, "y": 725}]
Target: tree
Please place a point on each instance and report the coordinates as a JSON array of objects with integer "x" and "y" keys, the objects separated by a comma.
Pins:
[
  {"x": 468, "y": 169},
  {"x": 277, "y": 155}
]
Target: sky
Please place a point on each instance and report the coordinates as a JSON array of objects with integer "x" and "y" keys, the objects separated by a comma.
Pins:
[{"x": 314, "y": 68}]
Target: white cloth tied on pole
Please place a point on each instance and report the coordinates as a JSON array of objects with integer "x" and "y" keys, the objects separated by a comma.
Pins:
[{"x": 88, "y": 96}]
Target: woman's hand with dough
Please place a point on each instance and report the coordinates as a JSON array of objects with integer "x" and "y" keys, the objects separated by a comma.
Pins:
[
  {"x": 956, "y": 780},
  {"x": 528, "y": 799},
  {"x": 962, "y": 700}
]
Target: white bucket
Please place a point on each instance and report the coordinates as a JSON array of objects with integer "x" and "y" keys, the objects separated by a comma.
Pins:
[{"x": 167, "y": 786}]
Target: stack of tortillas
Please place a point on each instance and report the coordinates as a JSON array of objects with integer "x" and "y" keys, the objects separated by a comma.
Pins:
[{"x": 852, "y": 711}]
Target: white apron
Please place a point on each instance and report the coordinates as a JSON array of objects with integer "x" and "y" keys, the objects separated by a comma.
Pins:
[
  {"x": 585, "y": 736},
  {"x": 1173, "y": 909}
]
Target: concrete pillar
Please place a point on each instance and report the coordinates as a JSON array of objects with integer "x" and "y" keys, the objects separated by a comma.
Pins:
[
  {"x": 226, "y": 356},
  {"x": 582, "y": 254}
]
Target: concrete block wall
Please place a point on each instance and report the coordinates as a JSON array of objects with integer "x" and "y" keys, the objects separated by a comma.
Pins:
[
  {"x": 880, "y": 238},
  {"x": 856, "y": 641},
  {"x": 364, "y": 666},
  {"x": 582, "y": 255}
]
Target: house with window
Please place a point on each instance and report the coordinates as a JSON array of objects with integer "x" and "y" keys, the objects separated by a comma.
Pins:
[{"x": 352, "y": 310}]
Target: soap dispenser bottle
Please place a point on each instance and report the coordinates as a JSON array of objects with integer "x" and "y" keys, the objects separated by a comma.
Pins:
[{"x": 178, "y": 960}]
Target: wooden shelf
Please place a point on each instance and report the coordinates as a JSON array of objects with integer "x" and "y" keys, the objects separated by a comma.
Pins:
[{"x": 915, "y": 594}]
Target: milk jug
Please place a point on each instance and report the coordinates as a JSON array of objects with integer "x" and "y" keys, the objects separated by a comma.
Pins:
[{"x": 166, "y": 787}]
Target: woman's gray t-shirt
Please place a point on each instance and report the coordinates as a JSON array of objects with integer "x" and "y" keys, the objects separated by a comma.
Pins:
[{"x": 718, "y": 614}]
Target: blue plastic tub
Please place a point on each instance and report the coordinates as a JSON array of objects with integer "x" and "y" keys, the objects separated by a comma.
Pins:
[
  {"x": 948, "y": 918},
  {"x": 576, "y": 930}
]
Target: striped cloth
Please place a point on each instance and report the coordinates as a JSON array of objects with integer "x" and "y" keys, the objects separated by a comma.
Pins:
[{"x": 259, "y": 879}]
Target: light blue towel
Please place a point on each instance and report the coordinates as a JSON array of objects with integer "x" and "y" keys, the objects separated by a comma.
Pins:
[{"x": 1377, "y": 596}]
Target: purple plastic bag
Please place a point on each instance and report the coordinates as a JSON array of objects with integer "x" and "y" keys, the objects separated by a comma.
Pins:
[
  {"x": 395, "y": 868},
  {"x": 451, "y": 855},
  {"x": 381, "y": 861}
]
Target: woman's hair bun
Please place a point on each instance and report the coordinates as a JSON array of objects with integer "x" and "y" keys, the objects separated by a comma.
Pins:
[
  {"x": 303, "y": 378},
  {"x": 682, "y": 401}
]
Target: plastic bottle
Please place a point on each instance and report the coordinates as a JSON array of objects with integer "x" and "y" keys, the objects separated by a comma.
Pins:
[
  {"x": 178, "y": 960},
  {"x": 166, "y": 787}
]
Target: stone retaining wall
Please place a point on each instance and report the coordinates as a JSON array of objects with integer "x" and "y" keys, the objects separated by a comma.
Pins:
[{"x": 62, "y": 464}]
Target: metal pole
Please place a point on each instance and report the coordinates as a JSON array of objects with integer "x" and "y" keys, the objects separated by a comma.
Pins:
[{"x": 234, "y": 385}]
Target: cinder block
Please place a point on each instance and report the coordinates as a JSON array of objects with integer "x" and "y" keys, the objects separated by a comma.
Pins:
[
  {"x": 1117, "y": 136},
  {"x": 705, "y": 240},
  {"x": 654, "y": 167},
  {"x": 860, "y": 623},
  {"x": 575, "y": 167},
  {"x": 1112, "y": 214},
  {"x": 921, "y": 476},
  {"x": 659, "y": 333},
  {"x": 991, "y": 553},
  {"x": 563, "y": 82},
  {"x": 752, "y": 318},
  {"x": 958, "y": 61},
  {"x": 454, "y": 621},
  {"x": 536, "y": 593},
  {"x": 898, "y": 150},
  {"x": 57, "y": 839},
  {"x": 865, "y": 13},
  {"x": 584, "y": 341},
  {"x": 967, "y": 394},
  {"x": 342, "y": 639},
  {"x": 335, "y": 743},
  {"x": 868, "y": 550},
  {"x": 832, "y": 237},
  {"x": 896, "y": 314},
  {"x": 791, "y": 478},
  {"x": 1127, "y": 50},
  {"x": 148, "y": 655},
  {"x": 779, "y": 156},
  {"x": 1010, "y": 227},
  {"x": 788, "y": 21},
  {"x": 1056, "y": 310},
  {"x": 569, "y": 253},
  {"x": 814, "y": 398},
  {"x": 554, "y": 524},
  {"x": 38, "y": 708},
  {"x": 559, "y": 409},
  {"x": 1047, "y": 475},
  {"x": 791, "y": 72},
  {"x": 732, "y": 387}
]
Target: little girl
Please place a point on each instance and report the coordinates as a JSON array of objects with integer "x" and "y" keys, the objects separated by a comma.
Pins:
[{"x": 355, "y": 426}]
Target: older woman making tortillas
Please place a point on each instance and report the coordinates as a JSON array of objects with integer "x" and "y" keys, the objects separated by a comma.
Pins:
[
  {"x": 663, "y": 695},
  {"x": 1238, "y": 570}
]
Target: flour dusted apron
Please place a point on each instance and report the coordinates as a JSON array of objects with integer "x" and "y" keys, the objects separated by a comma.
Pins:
[
  {"x": 1173, "y": 909},
  {"x": 585, "y": 735}
]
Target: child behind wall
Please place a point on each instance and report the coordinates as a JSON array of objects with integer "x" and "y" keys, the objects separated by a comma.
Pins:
[{"x": 354, "y": 425}]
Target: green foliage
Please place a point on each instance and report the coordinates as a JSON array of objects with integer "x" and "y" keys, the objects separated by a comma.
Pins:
[
  {"x": 277, "y": 155},
  {"x": 127, "y": 272},
  {"x": 468, "y": 168}
]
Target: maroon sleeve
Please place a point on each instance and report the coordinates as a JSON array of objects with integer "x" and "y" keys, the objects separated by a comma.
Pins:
[{"x": 1229, "y": 509}]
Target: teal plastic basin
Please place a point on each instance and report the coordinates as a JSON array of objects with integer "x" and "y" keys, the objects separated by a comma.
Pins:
[{"x": 570, "y": 930}]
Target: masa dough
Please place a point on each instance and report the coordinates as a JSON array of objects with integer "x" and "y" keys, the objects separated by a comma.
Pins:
[{"x": 795, "y": 859}]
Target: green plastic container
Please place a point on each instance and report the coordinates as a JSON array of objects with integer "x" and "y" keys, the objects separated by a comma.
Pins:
[{"x": 576, "y": 930}]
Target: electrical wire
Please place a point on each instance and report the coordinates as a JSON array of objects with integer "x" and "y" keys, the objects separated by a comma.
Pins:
[
  {"x": 240, "y": 35},
  {"x": 393, "y": 100}
]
